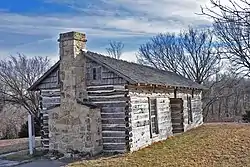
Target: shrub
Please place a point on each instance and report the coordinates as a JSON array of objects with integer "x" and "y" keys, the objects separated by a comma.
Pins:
[
  {"x": 24, "y": 129},
  {"x": 246, "y": 117},
  {"x": 9, "y": 132}
]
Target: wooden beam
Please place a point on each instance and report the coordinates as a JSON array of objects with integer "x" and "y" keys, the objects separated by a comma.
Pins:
[{"x": 175, "y": 92}]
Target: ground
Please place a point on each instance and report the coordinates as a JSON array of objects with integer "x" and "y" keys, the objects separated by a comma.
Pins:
[
  {"x": 213, "y": 145},
  {"x": 44, "y": 163},
  {"x": 7, "y": 146},
  {"x": 10, "y": 153}
]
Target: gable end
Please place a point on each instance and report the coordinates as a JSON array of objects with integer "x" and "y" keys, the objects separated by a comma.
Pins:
[
  {"x": 121, "y": 75},
  {"x": 48, "y": 80},
  {"x": 99, "y": 74}
]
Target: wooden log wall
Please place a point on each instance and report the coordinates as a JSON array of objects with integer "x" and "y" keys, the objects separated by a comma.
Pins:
[
  {"x": 196, "y": 106},
  {"x": 139, "y": 111},
  {"x": 48, "y": 99},
  {"x": 113, "y": 101},
  {"x": 197, "y": 111}
]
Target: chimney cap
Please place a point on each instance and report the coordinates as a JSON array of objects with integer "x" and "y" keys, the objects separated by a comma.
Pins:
[{"x": 73, "y": 35}]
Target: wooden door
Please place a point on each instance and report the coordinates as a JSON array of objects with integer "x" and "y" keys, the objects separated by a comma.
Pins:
[{"x": 176, "y": 107}]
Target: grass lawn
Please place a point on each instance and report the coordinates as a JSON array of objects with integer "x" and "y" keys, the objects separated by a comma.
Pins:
[{"x": 216, "y": 145}]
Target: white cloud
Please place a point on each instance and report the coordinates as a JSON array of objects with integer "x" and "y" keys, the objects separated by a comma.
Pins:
[
  {"x": 103, "y": 19},
  {"x": 54, "y": 59},
  {"x": 3, "y": 55},
  {"x": 126, "y": 55},
  {"x": 37, "y": 42},
  {"x": 160, "y": 8},
  {"x": 142, "y": 16},
  {"x": 148, "y": 16},
  {"x": 129, "y": 56}
]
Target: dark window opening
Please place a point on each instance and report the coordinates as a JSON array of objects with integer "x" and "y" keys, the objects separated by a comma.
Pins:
[
  {"x": 58, "y": 77},
  {"x": 190, "y": 113},
  {"x": 94, "y": 74}
]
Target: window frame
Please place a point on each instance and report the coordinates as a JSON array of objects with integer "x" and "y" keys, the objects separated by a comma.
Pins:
[
  {"x": 58, "y": 77},
  {"x": 94, "y": 73},
  {"x": 190, "y": 111},
  {"x": 154, "y": 128}
]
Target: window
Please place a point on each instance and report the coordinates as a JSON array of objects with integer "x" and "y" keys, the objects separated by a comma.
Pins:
[
  {"x": 99, "y": 73},
  {"x": 153, "y": 117},
  {"x": 58, "y": 77},
  {"x": 94, "y": 74},
  {"x": 190, "y": 114}
]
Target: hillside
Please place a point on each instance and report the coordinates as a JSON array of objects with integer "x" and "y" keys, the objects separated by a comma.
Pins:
[{"x": 214, "y": 145}]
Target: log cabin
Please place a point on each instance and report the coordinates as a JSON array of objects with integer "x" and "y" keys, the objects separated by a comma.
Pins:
[{"x": 93, "y": 103}]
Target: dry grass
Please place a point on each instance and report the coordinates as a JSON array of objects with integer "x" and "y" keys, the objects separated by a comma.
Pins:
[
  {"x": 218, "y": 145},
  {"x": 12, "y": 145}
]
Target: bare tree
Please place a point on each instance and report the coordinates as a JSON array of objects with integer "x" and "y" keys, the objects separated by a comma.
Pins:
[
  {"x": 17, "y": 74},
  {"x": 232, "y": 27},
  {"x": 115, "y": 49},
  {"x": 226, "y": 98},
  {"x": 201, "y": 60},
  {"x": 191, "y": 54},
  {"x": 163, "y": 51}
]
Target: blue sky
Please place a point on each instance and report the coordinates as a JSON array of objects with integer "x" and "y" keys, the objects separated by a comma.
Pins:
[{"x": 31, "y": 27}]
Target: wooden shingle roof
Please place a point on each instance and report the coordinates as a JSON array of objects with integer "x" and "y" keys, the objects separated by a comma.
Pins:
[
  {"x": 134, "y": 73},
  {"x": 144, "y": 74}
]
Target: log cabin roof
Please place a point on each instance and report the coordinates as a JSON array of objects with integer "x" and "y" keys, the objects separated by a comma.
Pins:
[{"x": 134, "y": 73}]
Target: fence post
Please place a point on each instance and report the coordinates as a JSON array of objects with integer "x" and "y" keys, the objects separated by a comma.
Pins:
[{"x": 30, "y": 134}]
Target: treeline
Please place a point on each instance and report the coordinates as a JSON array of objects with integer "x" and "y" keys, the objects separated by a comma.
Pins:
[
  {"x": 17, "y": 74},
  {"x": 217, "y": 56}
]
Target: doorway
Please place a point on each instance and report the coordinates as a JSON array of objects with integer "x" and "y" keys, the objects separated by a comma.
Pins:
[{"x": 176, "y": 107}]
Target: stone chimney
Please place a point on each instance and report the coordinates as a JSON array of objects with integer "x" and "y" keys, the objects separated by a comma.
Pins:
[
  {"x": 76, "y": 124},
  {"x": 72, "y": 68}
]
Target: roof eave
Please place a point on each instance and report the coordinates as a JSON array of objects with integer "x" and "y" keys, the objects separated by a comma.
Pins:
[{"x": 201, "y": 87}]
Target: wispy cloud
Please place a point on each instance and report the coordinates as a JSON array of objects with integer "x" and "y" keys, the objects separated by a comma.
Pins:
[
  {"x": 52, "y": 25},
  {"x": 138, "y": 18},
  {"x": 148, "y": 16},
  {"x": 125, "y": 20}
]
